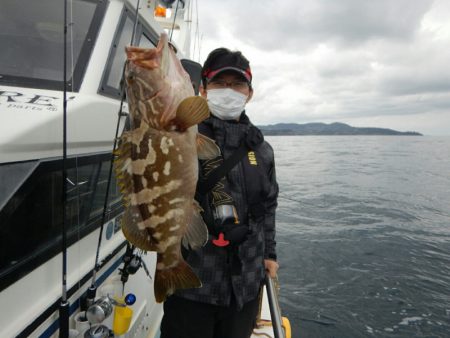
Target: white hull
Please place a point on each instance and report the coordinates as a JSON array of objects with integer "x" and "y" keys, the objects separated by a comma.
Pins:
[{"x": 31, "y": 137}]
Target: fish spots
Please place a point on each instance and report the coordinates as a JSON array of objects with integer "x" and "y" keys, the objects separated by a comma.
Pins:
[
  {"x": 144, "y": 210},
  {"x": 148, "y": 195},
  {"x": 175, "y": 227},
  {"x": 166, "y": 170},
  {"x": 126, "y": 165},
  {"x": 143, "y": 181},
  {"x": 172, "y": 240},
  {"x": 177, "y": 200},
  {"x": 142, "y": 109},
  {"x": 138, "y": 166},
  {"x": 151, "y": 156},
  {"x": 171, "y": 214},
  {"x": 155, "y": 176},
  {"x": 166, "y": 143},
  {"x": 155, "y": 106},
  {"x": 137, "y": 135},
  {"x": 180, "y": 158}
]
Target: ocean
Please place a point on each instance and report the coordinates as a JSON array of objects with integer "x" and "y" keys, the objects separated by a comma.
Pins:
[{"x": 363, "y": 235}]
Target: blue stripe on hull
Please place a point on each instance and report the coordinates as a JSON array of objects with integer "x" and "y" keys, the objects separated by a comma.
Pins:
[{"x": 75, "y": 305}]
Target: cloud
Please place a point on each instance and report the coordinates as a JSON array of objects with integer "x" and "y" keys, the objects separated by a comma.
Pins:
[
  {"x": 288, "y": 25},
  {"x": 343, "y": 60}
]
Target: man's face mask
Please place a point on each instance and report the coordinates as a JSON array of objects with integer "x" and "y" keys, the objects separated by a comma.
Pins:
[{"x": 226, "y": 103}]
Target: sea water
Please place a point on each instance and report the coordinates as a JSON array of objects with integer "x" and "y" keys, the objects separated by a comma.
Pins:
[{"x": 363, "y": 235}]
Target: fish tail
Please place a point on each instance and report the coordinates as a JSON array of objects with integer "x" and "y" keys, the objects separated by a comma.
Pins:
[{"x": 168, "y": 280}]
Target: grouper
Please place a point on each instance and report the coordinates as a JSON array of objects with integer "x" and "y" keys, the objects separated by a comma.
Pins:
[{"x": 157, "y": 163}]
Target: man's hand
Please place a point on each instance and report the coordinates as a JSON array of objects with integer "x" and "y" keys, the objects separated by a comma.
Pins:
[{"x": 272, "y": 267}]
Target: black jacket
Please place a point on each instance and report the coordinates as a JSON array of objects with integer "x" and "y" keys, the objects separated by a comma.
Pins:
[{"x": 238, "y": 270}]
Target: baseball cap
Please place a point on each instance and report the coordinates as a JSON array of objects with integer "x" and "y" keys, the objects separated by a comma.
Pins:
[{"x": 223, "y": 59}]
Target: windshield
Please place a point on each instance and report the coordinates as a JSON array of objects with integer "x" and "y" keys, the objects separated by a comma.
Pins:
[{"x": 32, "y": 38}]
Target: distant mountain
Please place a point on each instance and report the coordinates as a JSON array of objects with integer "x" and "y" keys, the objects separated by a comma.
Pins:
[{"x": 327, "y": 129}]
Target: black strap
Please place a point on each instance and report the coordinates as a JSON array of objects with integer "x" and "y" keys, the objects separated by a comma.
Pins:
[{"x": 252, "y": 140}]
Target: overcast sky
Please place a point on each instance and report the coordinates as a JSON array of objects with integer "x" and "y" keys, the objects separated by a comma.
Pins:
[{"x": 368, "y": 63}]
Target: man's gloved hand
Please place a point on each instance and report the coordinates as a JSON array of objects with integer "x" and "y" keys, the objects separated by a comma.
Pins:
[{"x": 227, "y": 224}]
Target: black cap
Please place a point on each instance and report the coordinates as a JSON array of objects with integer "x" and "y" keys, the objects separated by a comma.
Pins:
[{"x": 223, "y": 59}]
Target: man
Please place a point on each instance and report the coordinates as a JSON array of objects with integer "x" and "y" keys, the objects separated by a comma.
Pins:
[{"x": 239, "y": 209}]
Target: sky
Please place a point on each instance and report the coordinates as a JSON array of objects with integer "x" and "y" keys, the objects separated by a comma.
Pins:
[{"x": 383, "y": 63}]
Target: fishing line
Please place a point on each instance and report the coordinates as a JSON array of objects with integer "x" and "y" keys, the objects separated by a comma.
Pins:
[
  {"x": 64, "y": 305},
  {"x": 93, "y": 288}
]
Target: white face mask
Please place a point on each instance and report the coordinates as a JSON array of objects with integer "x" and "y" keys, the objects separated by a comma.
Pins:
[{"x": 226, "y": 103}]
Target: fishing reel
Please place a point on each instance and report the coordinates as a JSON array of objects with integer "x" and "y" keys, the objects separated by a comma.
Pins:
[
  {"x": 131, "y": 263},
  {"x": 100, "y": 310}
]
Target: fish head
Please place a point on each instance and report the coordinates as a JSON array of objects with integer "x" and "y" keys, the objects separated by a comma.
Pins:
[{"x": 156, "y": 84}]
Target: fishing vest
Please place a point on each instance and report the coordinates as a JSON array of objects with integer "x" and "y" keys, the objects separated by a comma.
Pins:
[{"x": 216, "y": 195}]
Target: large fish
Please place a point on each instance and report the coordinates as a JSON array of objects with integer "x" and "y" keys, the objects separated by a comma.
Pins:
[{"x": 157, "y": 163}]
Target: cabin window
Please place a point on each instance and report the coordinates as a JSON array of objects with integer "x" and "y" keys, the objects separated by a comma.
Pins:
[
  {"x": 30, "y": 231},
  {"x": 34, "y": 35},
  {"x": 112, "y": 77},
  {"x": 146, "y": 42}
]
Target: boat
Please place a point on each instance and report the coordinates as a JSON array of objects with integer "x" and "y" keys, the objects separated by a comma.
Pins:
[{"x": 50, "y": 135}]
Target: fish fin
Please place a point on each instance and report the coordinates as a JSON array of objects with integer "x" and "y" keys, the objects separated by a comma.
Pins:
[
  {"x": 191, "y": 111},
  {"x": 206, "y": 148},
  {"x": 196, "y": 234},
  {"x": 121, "y": 164},
  {"x": 168, "y": 280},
  {"x": 140, "y": 238}
]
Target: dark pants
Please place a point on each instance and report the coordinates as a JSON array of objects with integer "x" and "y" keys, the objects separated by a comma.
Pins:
[{"x": 189, "y": 319}]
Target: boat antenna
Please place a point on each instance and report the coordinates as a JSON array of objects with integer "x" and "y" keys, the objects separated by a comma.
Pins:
[
  {"x": 92, "y": 290},
  {"x": 64, "y": 305},
  {"x": 173, "y": 23}
]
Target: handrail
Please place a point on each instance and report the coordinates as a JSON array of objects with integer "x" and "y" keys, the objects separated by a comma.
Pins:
[{"x": 274, "y": 307}]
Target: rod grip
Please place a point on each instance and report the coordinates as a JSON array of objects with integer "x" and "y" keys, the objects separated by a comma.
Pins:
[{"x": 64, "y": 319}]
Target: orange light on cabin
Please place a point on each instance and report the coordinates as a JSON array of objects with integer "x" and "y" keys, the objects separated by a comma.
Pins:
[{"x": 160, "y": 11}]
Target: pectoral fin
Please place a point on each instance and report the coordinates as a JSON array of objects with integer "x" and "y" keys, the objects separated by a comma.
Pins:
[
  {"x": 206, "y": 148},
  {"x": 196, "y": 232},
  {"x": 191, "y": 111}
]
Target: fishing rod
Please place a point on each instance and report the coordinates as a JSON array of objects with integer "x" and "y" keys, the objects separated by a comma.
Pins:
[
  {"x": 64, "y": 305},
  {"x": 174, "y": 19},
  {"x": 92, "y": 290}
]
